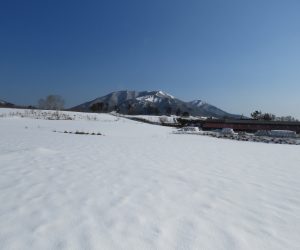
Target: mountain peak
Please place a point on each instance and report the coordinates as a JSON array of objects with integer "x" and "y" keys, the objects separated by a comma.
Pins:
[
  {"x": 154, "y": 97},
  {"x": 164, "y": 94}
]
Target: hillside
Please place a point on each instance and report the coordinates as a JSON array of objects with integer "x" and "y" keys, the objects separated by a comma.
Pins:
[{"x": 4, "y": 104}]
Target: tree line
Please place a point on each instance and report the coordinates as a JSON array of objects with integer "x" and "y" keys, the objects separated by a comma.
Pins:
[
  {"x": 130, "y": 109},
  {"x": 258, "y": 115}
]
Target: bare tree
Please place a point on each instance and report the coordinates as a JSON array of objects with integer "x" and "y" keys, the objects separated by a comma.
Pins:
[{"x": 52, "y": 102}]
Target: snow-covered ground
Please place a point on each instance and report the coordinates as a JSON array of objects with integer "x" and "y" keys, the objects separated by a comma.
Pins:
[
  {"x": 156, "y": 119},
  {"x": 159, "y": 119},
  {"x": 141, "y": 187}
]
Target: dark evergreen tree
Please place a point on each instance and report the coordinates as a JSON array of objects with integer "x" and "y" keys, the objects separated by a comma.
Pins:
[
  {"x": 168, "y": 110},
  {"x": 185, "y": 114},
  {"x": 97, "y": 107}
]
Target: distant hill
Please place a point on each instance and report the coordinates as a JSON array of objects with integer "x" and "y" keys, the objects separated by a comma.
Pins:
[
  {"x": 4, "y": 104},
  {"x": 150, "y": 103}
]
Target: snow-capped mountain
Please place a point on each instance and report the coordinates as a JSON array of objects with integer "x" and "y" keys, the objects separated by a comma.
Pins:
[
  {"x": 155, "y": 97},
  {"x": 149, "y": 102}
]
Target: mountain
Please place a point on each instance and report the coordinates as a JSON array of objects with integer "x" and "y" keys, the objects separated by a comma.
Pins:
[
  {"x": 4, "y": 104},
  {"x": 150, "y": 102},
  {"x": 209, "y": 110}
]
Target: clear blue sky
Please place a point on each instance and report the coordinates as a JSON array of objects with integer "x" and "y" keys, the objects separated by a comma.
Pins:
[{"x": 238, "y": 55}]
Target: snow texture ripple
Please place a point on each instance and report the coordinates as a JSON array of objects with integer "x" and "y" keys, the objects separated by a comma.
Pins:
[{"x": 141, "y": 187}]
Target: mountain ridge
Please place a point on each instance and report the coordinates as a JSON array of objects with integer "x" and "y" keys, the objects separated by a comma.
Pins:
[{"x": 150, "y": 102}]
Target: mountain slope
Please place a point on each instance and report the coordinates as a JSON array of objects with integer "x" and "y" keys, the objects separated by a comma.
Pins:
[
  {"x": 149, "y": 102},
  {"x": 210, "y": 110},
  {"x": 6, "y": 104}
]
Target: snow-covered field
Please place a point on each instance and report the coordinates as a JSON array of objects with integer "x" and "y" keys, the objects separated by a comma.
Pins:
[
  {"x": 141, "y": 187},
  {"x": 156, "y": 119}
]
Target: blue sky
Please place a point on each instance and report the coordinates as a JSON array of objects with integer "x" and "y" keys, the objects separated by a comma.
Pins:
[{"x": 238, "y": 55}]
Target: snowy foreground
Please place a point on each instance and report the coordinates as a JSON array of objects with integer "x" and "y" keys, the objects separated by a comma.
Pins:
[{"x": 141, "y": 187}]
